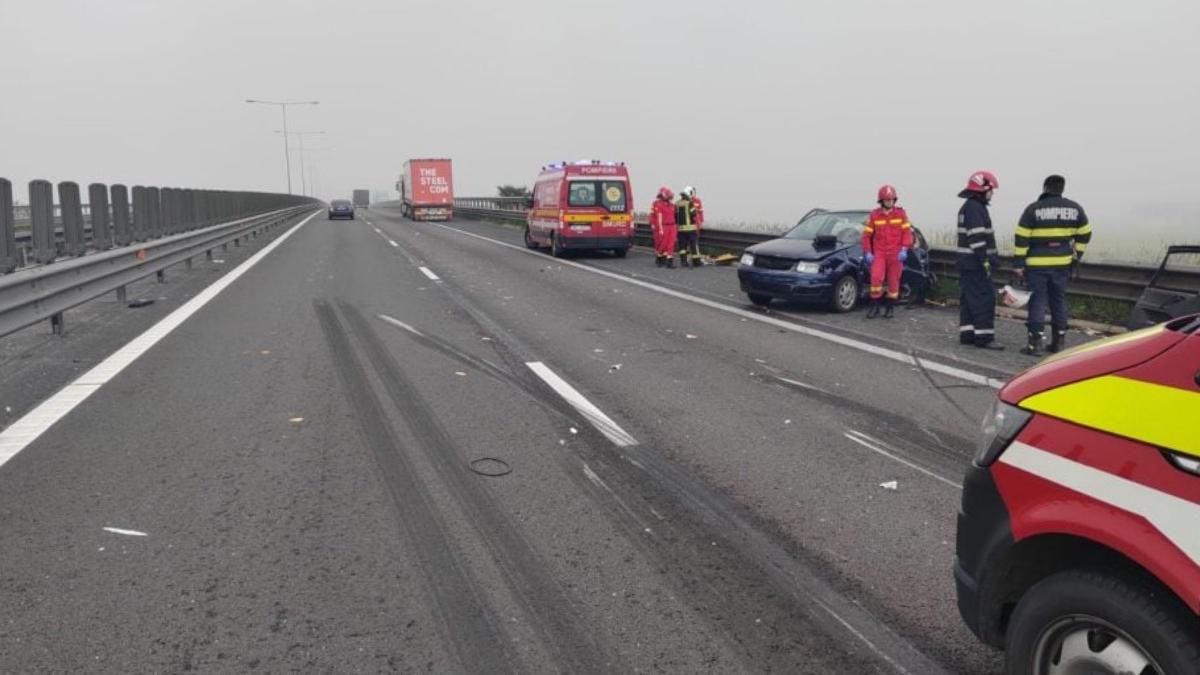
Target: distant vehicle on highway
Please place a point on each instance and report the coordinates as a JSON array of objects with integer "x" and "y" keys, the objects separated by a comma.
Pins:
[
  {"x": 1078, "y": 547},
  {"x": 341, "y": 208},
  {"x": 361, "y": 199},
  {"x": 426, "y": 189},
  {"x": 578, "y": 206},
  {"x": 820, "y": 260}
]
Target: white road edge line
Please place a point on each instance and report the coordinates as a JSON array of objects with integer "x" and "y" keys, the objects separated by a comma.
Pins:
[
  {"x": 393, "y": 243},
  {"x": 892, "y": 354},
  {"x": 33, "y": 424},
  {"x": 866, "y": 441},
  {"x": 131, "y": 533},
  {"x": 594, "y": 415},
  {"x": 429, "y": 273}
]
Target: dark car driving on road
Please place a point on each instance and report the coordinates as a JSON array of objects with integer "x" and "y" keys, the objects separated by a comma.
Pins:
[
  {"x": 341, "y": 208},
  {"x": 820, "y": 260}
]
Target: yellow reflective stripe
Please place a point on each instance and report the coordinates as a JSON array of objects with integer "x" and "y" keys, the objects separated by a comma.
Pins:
[
  {"x": 1049, "y": 261},
  {"x": 1080, "y": 246},
  {"x": 1085, "y": 228},
  {"x": 896, "y": 221},
  {"x": 1023, "y": 231},
  {"x": 1146, "y": 412},
  {"x": 906, "y": 226},
  {"x": 868, "y": 230},
  {"x": 595, "y": 218},
  {"x": 1049, "y": 232},
  {"x": 1020, "y": 251},
  {"x": 881, "y": 222}
]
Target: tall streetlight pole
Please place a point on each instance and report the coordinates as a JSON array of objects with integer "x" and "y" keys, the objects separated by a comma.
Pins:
[
  {"x": 287, "y": 160},
  {"x": 301, "y": 135}
]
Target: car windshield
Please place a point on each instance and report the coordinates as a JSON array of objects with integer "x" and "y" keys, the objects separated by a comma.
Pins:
[
  {"x": 608, "y": 194},
  {"x": 846, "y": 226},
  {"x": 340, "y": 202}
]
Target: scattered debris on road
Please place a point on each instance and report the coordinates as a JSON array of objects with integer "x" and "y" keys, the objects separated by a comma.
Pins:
[
  {"x": 130, "y": 533},
  {"x": 490, "y": 467},
  {"x": 890, "y": 485},
  {"x": 141, "y": 302},
  {"x": 614, "y": 367}
]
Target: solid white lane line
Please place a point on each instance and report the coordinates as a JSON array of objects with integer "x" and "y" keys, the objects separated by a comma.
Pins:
[
  {"x": 393, "y": 244},
  {"x": 131, "y": 533},
  {"x": 873, "y": 445},
  {"x": 591, "y": 413},
  {"x": 24, "y": 431},
  {"x": 891, "y": 354},
  {"x": 400, "y": 324},
  {"x": 429, "y": 273}
]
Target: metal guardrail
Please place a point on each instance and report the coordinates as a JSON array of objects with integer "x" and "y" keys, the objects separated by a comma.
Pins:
[
  {"x": 1097, "y": 280},
  {"x": 128, "y": 239}
]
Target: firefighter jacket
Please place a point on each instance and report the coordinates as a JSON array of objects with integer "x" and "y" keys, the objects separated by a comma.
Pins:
[
  {"x": 976, "y": 240},
  {"x": 886, "y": 232},
  {"x": 662, "y": 212},
  {"x": 685, "y": 215},
  {"x": 1053, "y": 232}
]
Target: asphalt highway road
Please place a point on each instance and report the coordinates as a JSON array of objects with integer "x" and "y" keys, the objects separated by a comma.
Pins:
[{"x": 418, "y": 447}]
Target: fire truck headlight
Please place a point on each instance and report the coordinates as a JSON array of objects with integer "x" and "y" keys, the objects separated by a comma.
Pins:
[
  {"x": 1001, "y": 425},
  {"x": 747, "y": 259}
]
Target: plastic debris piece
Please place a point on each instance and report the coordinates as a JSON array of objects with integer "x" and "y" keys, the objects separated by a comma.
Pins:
[
  {"x": 265, "y": 352},
  {"x": 597, "y": 351},
  {"x": 486, "y": 339},
  {"x": 218, "y": 261},
  {"x": 490, "y": 467},
  {"x": 614, "y": 367},
  {"x": 1014, "y": 297},
  {"x": 574, "y": 430},
  {"x": 890, "y": 485},
  {"x": 141, "y": 302},
  {"x": 787, "y": 421},
  {"x": 295, "y": 420},
  {"x": 460, "y": 373},
  {"x": 690, "y": 336},
  {"x": 724, "y": 259}
]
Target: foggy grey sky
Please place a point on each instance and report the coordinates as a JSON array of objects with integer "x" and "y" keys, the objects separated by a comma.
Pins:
[{"x": 768, "y": 108}]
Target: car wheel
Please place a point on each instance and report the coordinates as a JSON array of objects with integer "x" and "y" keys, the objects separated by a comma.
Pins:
[
  {"x": 760, "y": 300},
  {"x": 1090, "y": 622},
  {"x": 620, "y": 252},
  {"x": 529, "y": 242},
  {"x": 556, "y": 248},
  {"x": 845, "y": 294}
]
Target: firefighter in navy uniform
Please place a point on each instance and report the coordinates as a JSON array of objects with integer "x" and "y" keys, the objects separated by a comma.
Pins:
[
  {"x": 687, "y": 227},
  {"x": 1051, "y": 237},
  {"x": 977, "y": 261}
]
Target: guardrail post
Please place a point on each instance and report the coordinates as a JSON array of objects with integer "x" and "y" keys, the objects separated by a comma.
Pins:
[
  {"x": 98, "y": 205},
  {"x": 57, "y": 323},
  {"x": 41, "y": 216},
  {"x": 154, "y": 211},
  {"x": 8, "y": 240},
  {"x": 120, "y": 215},
  {"x": 72, "y": 218}
]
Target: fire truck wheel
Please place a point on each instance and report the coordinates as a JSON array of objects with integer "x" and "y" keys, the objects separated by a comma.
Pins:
[
  {"x": 529, "y": 242},
  {"x": 1083, "y": 621},
  {"x": 556, "y": 248}
]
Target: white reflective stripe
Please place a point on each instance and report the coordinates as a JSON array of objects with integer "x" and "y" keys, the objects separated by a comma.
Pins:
[
  {"x": 985, "y": 331},
  {"x": 978, "y": 244},
  {"x": 1174, "y": 517},
  {"x": 962, "y": 230},
  {"x": 993, "y": 251},
  {"x": 966, "y": 329},
  {"x": 960, "y": 249},
  {"x": 979, "y": 230}
]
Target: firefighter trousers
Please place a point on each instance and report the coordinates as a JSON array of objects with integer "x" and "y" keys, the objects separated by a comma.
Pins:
[
  {"x": 664, "y": 241},
  {"x": 1047, "y": 285},
  {"x": 977, "y": 308},
  {"x": 886, "y": 267},
  {"x": 689, "y": 245}
]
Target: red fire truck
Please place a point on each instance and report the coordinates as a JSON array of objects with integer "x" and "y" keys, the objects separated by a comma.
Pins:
[
  {"x": 584, "y": 205},
  {"x": 1079, "y": 534}
]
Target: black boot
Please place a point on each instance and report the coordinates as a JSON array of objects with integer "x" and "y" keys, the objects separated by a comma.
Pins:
[
  {"x": 1058, "y": 342},
  {"x": 671, "y": 262},
  {"x": 659, "y": 261},
  {"x": 1034, "y": 346},
  {"x": 887, "y": 310},
  {"x": 874, "y": 310}
]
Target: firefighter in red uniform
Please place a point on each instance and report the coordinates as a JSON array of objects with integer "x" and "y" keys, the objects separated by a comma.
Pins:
[
  {"x": 887, "y": 236},
  {"x": 662, "y": 226}
]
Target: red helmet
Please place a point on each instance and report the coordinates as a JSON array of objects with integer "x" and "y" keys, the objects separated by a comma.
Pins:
[
  {"x": 664, "y": 192},
  {"x": 887, "y": 192},
  {"x": 982, "y": 181}
]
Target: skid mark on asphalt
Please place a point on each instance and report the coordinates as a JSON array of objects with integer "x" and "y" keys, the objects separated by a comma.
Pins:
[
  {"x": 543, "y": 599},
  {"x": 465, "y": 623}
]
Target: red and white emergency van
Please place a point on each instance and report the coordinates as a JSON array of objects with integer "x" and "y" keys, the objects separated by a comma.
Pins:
[
  {"x": 584, "y": 205},
  {"x": 1079, "y": 534}
]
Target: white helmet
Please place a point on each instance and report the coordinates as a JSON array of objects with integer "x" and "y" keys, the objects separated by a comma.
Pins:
[{"x": 688, "y": 191}]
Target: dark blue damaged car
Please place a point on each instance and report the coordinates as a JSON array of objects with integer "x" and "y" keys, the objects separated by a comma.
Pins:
[{"x": 820, "y": 261}]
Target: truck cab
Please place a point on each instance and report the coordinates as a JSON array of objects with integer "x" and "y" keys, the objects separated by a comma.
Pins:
[{"x": 585, "y": 205}]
